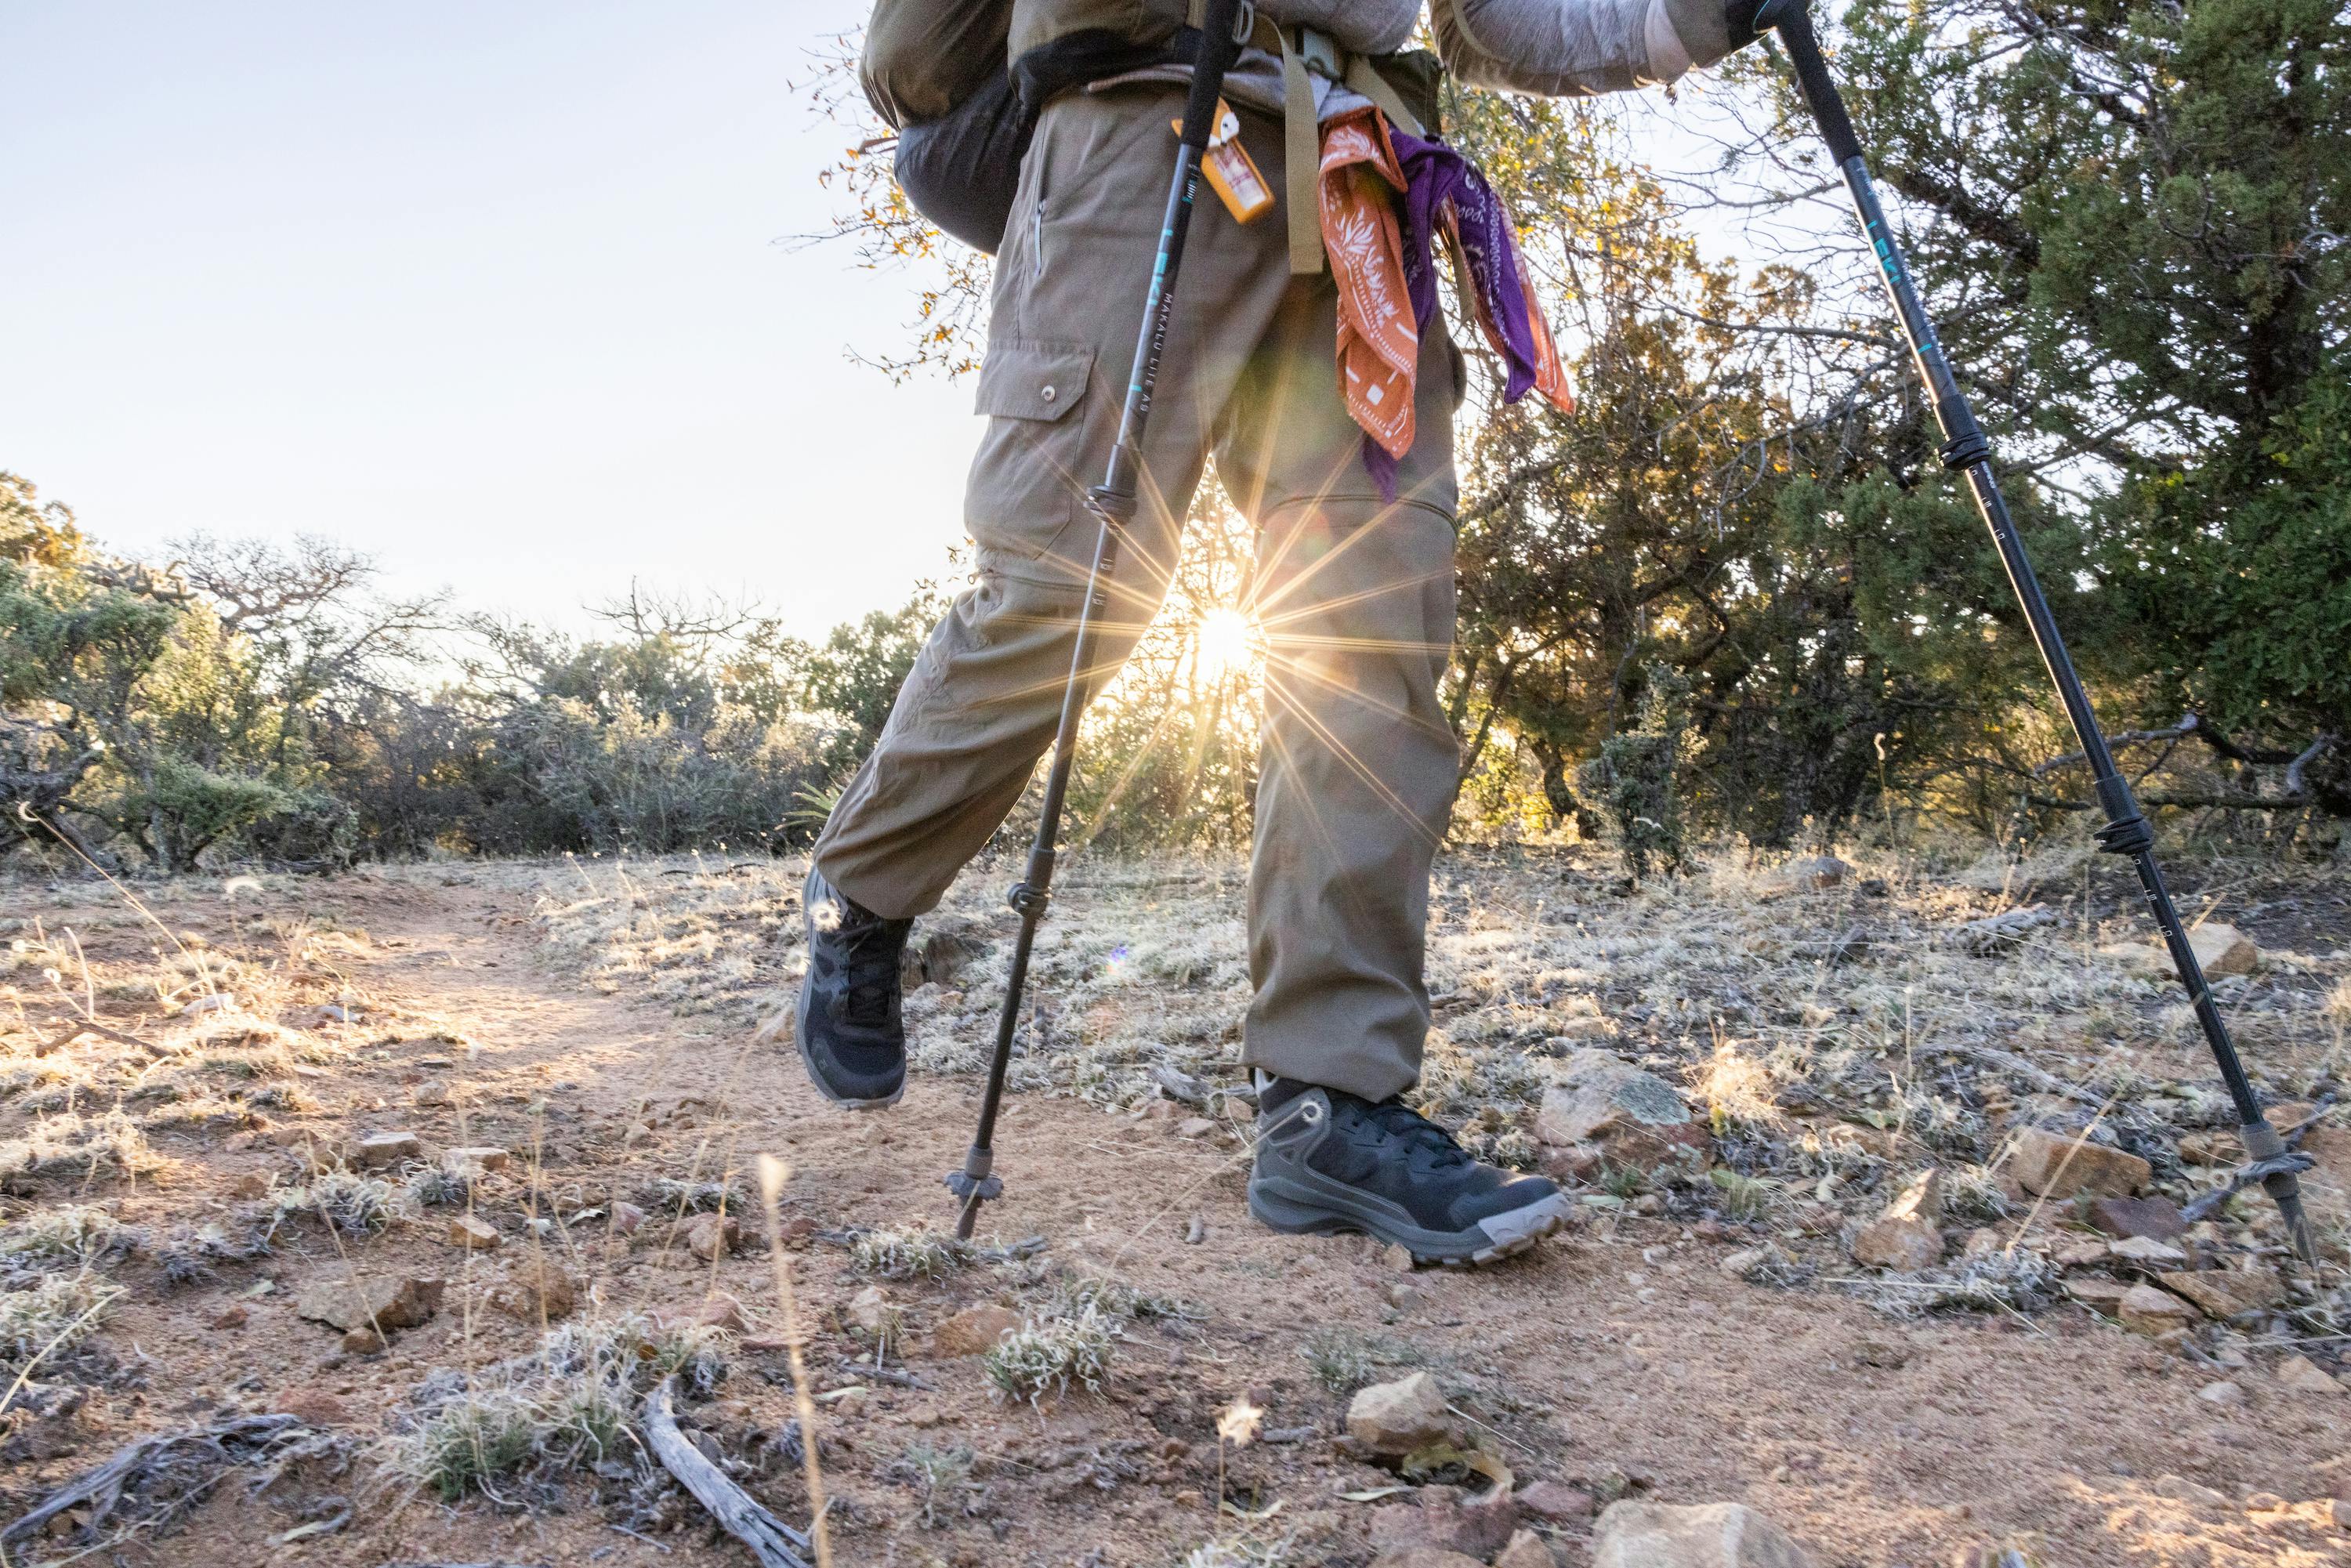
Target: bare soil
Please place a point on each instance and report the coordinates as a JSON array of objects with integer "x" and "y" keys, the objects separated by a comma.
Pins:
[{"x": 1620, "y": 1358}]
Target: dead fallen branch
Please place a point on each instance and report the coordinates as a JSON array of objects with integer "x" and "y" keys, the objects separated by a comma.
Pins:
[
  {"x": 775, "y": 1544},
  {"x": 81, "y": 1027},
  {"x": 156, "y": 1479}
]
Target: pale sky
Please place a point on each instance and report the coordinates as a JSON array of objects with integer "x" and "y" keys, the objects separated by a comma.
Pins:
[{"x": 491, "y": 292}]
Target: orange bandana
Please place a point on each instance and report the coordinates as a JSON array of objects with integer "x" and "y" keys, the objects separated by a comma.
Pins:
[
  {"x": 1362, "y": 179},
  {"x": 1379, "y": 346}
]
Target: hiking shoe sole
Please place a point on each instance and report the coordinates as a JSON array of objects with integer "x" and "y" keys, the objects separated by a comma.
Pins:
[
  {"x": 800, "y": 1034},
  {"x": 1317, "y": 1206}
]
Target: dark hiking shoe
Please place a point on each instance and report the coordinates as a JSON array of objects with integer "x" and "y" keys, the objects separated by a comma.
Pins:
[
  {"x": 851, "y": 1037},
  {"x": 1327, "y": 1161}
]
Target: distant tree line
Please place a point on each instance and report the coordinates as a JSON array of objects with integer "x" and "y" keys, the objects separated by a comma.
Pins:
[{"x": 250, "y": 703}]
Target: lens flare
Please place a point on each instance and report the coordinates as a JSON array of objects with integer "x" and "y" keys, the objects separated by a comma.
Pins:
[{"x": 1225, "y": 640}]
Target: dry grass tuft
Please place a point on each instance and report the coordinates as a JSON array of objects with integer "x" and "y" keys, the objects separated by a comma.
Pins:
[
  {"x": 55, "y": 1313},
  {"x": 1050, "y": 1354},
  {"x": 573, "y": 1401},
  {"x": 917, "y": 1254}
]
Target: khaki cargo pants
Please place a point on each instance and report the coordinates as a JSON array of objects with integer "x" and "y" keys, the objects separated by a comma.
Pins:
[{"x": 1357, "y": 765}]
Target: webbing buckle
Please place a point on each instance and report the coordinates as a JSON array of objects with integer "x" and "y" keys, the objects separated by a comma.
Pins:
[{"x": 1321, "y": 54}]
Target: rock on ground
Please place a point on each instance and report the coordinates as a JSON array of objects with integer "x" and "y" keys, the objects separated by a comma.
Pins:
[
  {"x": 2225, "y": 1293},
  {"x": 378, "y": 1150},
  {"x": 1709, "y": 1536},
  {"x": 1905, "y": 1238},
  {"x": 2224, "y": 950},
  {"x": 1395, "y": 1418},
  {"x": 1903, "y": 1245},
  {"x": 1635, "y": 1116},
  {"x": 1424, "y": 1557},
  {"x": 712, "y": 1236},
  {"x": 538, "y": 1289},
  {"x": 973, "y": 1332},
  {"x": 2050, "y": 1164},
  {"x": 473, "y": 1233},
  {"x": 1439, "y": 1520},
  {"x": 1526, "y": 1550},
  {"x": 383, "y": 1303},
  {"x": 2143, "y": 1309},
  {"x": 2304, "y": 1375},
  {"x": 2157, "y": 1218}
]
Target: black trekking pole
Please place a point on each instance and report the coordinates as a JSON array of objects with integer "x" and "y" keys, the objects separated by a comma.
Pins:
[
  {"x": 1112, "y": 503},
  {"x": 1966, "y": 451}
]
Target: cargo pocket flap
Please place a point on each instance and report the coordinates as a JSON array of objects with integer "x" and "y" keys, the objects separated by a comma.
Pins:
[{"x": 1035, "y": 380}]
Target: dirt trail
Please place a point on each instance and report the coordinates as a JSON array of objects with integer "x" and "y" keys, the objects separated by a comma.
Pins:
[{"x": 1619, "y": 1357}]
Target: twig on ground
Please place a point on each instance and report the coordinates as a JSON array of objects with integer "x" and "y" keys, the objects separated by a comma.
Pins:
[{"x": 775, "y": 1544}]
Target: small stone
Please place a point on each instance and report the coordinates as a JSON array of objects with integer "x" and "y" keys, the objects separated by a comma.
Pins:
[
  {"x": 1709, "y": 1535},
  {"x": 2145, "y": 1310},
  {"x": 538, "y": 1289},
  {"x": 1526, "y": 1550},
  {"x": 719, "y": 1311},
  {"x": 1747, "y": 1261},
  {"x": 2158, "y": 1217},
  {"x": 1194, "y": 1127},
  {"x": 1636, "y": 1117},
  {"x": 712, "y": 1236},
  {"x": 378, "y": 1150},
  {"x": 2225, "y": 1293},
  {"x": 870, "y": 1311},
  {"x": 472, "y": 1233},
  {"x": 429, "y": 1095},
  {"x": 627, "y": 1219},
  {"x": 2224, "y": 950},
  {"x": 1555, "y": 1503},
  {"x": 1423, "y": 1557},
  {"x": 1395, "y": 1418},
  {"x": 474, "y": 1159},
  {"x": 2304, "y": 1375},
  {"x": 1904, "y": 1245},
  {"x": 233, "y": 1316},
  {"x": 1396, "y": 1257},
  {"x": 315, "y": 1406},
  {"x": 2082, "y": 1255},
  {"x": 2223, "y": 1393},
  {"x": 249, "y": 1185},
  {"x": 2102, "y": 1296},
  {"x": 973, "y": 1332},
  {"x": 1440, "y": 1521},
  {"x": 385, "y": 1303},
  {"x": 1407, "y": 1297},
  {"x": 1982, "y": 1243},
  {"x": 2050, "y": 1164},
  {"x": 2146, "y": 1252}
]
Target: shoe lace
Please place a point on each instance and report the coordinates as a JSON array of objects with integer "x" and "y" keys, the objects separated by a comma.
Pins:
[
  {"x": 871, "y": 965},
  {"x": 1418, "y": 1135}
]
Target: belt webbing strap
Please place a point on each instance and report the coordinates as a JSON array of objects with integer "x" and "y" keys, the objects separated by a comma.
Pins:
[{"x": 1301, "y": 141}]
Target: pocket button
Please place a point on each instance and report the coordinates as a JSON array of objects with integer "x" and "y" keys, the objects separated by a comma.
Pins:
[{"x": 1049, "y": 394}]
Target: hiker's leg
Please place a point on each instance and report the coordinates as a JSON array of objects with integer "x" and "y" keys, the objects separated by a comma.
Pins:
[
  {"x": 1357, "y": 766},
  {"x": 981, "y": 704}
]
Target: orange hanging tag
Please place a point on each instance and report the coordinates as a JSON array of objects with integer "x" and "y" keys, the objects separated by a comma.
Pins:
[{"x": 1231, "y": 170}]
